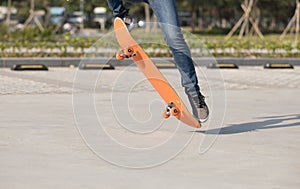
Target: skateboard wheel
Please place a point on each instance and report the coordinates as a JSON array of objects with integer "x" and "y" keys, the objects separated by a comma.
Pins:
[
  {"x": 166, "y": 114},
  {"x": 120, "y": 56},
  {"x": 175, "y": 112},
  {"x": 129, "y": 52}
]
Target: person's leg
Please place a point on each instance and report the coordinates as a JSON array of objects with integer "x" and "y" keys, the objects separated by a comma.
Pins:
[
  {"x": 120, "y": 11},
  {"x": 167, "y": 15},
  {"x": 116, "y": 6}
]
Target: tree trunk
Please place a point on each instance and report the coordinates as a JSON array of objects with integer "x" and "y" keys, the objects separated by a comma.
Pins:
[
  {"x": 47, "y": 16},
  {"x": 148, "y": 17},
  {"x": 200, "y": 19},
  {"x": 8, "y": 13},
  {"x": 194, "y": 18}
]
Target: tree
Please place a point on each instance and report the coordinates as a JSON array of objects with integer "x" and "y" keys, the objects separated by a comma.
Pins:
[
  {"x": 276, "y": 13},
  {"x": 293, "y": 25},
  {"x": 205, "y": 14},
  {"x": 244, "y": 21}
]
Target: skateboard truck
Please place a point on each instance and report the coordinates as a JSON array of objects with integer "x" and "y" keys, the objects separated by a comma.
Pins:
[
  {"x": 125, "y": 53},
  {"x": 171, "y": 110}
]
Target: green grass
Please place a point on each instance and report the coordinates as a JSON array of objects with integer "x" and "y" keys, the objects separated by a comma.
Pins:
[{"x": 33, "y": 43}]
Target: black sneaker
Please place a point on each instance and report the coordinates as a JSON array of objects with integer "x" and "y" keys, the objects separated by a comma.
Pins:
[
  {"x": 200, "y": 109},
  {"x": 127, "y": 19}
]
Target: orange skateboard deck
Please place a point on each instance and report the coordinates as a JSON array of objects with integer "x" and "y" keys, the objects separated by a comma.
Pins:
[{"x": 131, "y": 49}]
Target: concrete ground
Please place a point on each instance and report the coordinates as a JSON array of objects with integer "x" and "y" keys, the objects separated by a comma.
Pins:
[{"x": 88, "y": 129}]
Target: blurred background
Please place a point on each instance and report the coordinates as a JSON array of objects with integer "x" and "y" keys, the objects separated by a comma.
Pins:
[{"x": 236, "y": 28}]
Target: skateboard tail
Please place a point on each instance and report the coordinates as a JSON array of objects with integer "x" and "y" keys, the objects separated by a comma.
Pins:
[{"x": 160, "y": 84}]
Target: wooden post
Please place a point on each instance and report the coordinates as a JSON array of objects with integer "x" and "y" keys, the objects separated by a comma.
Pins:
[
  {"x": 297, "y": 22},
  {"x": 8, "y": 13},
  {"x": 254, "y": 24},
  {"x": 147, "y": 16},
  {"x": 293, "y": 24},
  {"x": 247, "y": 10},
  {"x": 31, "y": 17},
  {"x": 244, "y": 21}
]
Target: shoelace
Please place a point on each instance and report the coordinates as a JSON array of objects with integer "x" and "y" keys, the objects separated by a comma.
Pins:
[
  {"x": 202, "y": 101},
  {"x": 199, "y": 101}
]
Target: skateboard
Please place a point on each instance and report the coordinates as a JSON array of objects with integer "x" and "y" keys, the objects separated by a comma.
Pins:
[{"x": 131, "y": 49}]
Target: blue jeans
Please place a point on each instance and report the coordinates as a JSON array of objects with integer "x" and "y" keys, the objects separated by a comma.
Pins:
[{"x": 167, "y": 15}]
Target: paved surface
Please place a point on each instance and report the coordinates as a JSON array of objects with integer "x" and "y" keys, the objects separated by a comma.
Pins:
[{"x": 69, "y": 129}]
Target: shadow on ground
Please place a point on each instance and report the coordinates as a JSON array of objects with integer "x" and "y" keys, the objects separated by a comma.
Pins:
[{"x": 272, "y": 122}]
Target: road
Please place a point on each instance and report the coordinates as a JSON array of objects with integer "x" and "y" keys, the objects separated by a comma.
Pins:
[{"x": 69, "y": 128}]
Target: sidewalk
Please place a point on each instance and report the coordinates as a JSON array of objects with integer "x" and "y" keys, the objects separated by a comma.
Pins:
[{"x": 257, "y": 145}]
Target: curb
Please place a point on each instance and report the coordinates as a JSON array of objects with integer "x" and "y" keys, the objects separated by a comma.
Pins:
[{"x": 67, "y": 62}]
